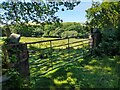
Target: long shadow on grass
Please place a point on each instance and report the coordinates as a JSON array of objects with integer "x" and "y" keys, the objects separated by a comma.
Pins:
[
  {"x": 56, "y": 59},
  {"x": 86, "y": 72},
  {"x": 92, "y": 75},
  {"x": 43, "y": 60}
]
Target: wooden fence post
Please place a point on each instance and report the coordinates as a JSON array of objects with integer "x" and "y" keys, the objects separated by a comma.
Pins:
[
  {"x": 51, "y": 53},
  {"x": 68, "y": 43},
  {"x": 51, "y": 45}
]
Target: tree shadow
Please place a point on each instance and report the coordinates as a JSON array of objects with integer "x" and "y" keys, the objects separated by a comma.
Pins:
[
  {"x": 85, "y": 72},
  {"x": 43, "y": 83}
]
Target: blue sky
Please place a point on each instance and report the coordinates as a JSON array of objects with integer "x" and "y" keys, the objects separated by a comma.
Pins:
[{"x": 75, "y": 15}]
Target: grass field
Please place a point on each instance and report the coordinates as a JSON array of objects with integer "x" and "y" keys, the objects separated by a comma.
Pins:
[
  {"x": 35, "y": 39},
  {"x": 28, "y": 39},
  {"x": 54, "y": 43},
  {"x": 47, "y": 44}
]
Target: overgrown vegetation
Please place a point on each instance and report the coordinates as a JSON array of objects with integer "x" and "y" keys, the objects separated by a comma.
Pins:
[
  {"x": 85, "y": 72},
  {"x": 110, "y": 44}
]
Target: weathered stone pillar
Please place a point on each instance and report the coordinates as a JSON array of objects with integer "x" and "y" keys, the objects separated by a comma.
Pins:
[
  {"x": 20, "y": 53},
  {"x": 17, "y": 54},
  {"x": 23, "y": 63}
]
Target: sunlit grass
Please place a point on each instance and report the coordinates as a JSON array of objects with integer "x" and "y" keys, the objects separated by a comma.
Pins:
[
  {"x": 84, "y": 73},
  {"x": 58, "y": 42},
  {"x": 47, "y": 44},
  {"x": 33, "y": 39}
]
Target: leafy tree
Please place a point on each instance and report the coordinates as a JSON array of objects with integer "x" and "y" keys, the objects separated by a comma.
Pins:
[
  {"x": 72, "y": 26},
  {"x": 104, "y": 15},
  {"x": 40, "y": 12},
  {"x": 48, "y": 28},
  {"x": 67, "y": 34},
  {"x": 57, "y": 30}
]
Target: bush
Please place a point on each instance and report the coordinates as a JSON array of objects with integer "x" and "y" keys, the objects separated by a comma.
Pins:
[
  {"x": 27, "y": 30},
  {"x": 46, "y": 34},
  {"x": 67, "y": 34},
  {"x": 57, "y": 32},
  {"x": 110, "y": 44},
  {"x": 38, "y": 32},
  {"x": 23, "y": 30}
]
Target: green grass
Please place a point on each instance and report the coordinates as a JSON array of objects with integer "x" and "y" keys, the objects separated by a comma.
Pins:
[
  {"x": 47, "y": 44},
  {"x": 54, "y": 43},
  {"x": 28, "y": 39},
  {"x": 81, "y": 72},
  {"x": 85, "y": 72},
  {"x": 34, "y": 39}
]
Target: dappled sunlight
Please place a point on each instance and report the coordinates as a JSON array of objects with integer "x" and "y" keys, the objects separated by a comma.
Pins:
[
  {"x": 45, "y": 61},
  {"x": 88, "y": 76},
  {"x": 60, "y": 82},
  {"x": 70, "y": 67}
]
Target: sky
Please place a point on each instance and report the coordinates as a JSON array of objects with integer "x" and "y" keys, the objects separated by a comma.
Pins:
[{"x": 78, "y": 14}]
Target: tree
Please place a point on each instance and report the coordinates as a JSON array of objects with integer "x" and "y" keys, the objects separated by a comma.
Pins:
[
  {"x": 17, "y": 12},
  {"x": 39, "y": 12},
  {"x": 104, "y": 15},
  {"x": 57, "y": 30}
]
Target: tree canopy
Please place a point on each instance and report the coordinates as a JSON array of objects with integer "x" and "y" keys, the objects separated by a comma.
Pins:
[
  {"x": 35, "y": 11},
  {"x": 104, "y": 15}
]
